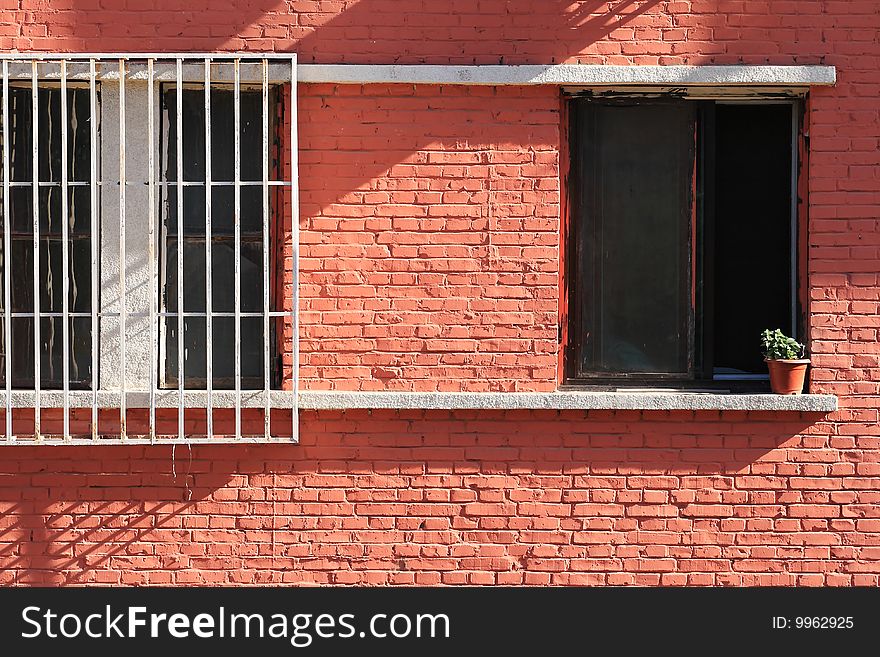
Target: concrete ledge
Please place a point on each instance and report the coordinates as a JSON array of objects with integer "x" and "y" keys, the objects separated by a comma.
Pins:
[
  {"x": 570, "y": 74},
  {"x": 647, "y": 401},
  {"x": 341, "y": 400}
]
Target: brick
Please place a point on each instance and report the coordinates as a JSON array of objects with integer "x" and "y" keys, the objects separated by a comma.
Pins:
[{"x": 431, "y": 261}]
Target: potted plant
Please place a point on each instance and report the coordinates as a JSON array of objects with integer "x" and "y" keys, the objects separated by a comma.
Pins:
[{"x": 784, "y": 357}]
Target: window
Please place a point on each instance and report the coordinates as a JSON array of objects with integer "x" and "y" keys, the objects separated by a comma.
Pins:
[
  {"x": 144, "y": 198},
  {"x": 23, "y": 193},
  {"x": 683, "y": 226},
  {"x": 223, "y": 237}
]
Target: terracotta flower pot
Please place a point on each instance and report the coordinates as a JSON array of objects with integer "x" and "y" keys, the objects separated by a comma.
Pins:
[{"x": 787, "y": 376}]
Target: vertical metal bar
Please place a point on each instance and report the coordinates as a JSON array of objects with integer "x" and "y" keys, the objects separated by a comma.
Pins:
[
  {"x": 267, "y": 406},
  {"x": 35, "y": 198},
  {"x": 7, "y": 257},
  {"x": 794, "y": 219},
  {"x": 237, "y": 223},
  {"x": 294, "y": 238},
  {"x": 180, "y": 369},
  {"x": 93, "y": 207},
  {"x": 65, "y": 255},
  {"x": 122, "y": 258},
  {"x": 151, "y": 247},
  {"x": 209, "y": 298}
]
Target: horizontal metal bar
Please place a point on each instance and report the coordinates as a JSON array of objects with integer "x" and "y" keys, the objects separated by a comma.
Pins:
[
  {"x": 50, "y": 183},
  {"x": 191, "y": 73},
  {"x": 103, "y": 315},
  {"x": 274, "y": 313},
  {"x": 248, "y": 237},
  {"x": 138, "y": 183},
  {"x": 165, "y": 398},
  {"x": 107, "y": 56},
  {"x": 52, "y": 315},
  {"x": 170, "y": 439},
  {"x": 50, "y": 237},
  {"x": 225, "y": 183}
]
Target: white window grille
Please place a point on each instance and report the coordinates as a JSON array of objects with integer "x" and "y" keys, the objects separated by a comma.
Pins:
[{"x": 120, "y": 209}]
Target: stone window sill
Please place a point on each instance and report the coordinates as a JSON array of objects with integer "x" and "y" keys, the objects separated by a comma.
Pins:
[{"x": 567, "y": 400}]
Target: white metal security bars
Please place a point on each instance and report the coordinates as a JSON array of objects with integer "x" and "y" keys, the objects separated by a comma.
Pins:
[{"x": 147, "y": 365}]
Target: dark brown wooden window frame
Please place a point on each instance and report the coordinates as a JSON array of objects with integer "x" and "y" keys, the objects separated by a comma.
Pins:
[{"x": 700, "y": 373}]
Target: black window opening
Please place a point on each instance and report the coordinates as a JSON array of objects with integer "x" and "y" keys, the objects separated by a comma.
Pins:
[
  {"x": 195, "y": 371},
  {"x": 682, "y": 239},
  {"x": 48, "y": 180}
]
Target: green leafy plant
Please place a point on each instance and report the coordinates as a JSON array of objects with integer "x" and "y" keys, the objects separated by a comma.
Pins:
[{"x": 777, "y": 346}]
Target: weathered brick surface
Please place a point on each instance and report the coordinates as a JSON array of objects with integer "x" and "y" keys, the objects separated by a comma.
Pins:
[
  {"x": 430, "y": 238},
  {"x": 459, "y": 31},
  {"x": 430, "y": 234},
  {"x": 457, "y": 498}
]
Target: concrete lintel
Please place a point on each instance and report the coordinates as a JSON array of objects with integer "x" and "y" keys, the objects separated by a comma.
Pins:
[{"x": 571, "y": 74}]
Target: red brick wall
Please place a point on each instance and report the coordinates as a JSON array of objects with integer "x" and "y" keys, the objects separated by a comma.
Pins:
[
  {"x": 430, "y": 221},
  {"x": 430, "y": 237},
  {"x": 463, "y": 498},
  {"x": 458, "y": 31}
]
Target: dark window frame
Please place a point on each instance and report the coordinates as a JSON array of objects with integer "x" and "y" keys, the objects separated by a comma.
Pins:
[{"x": 700, "y": 335}]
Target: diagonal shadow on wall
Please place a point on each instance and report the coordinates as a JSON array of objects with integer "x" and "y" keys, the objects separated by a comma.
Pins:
[
  {"x": 494, "y": 32},
  {"x": 361, "y": 31},
  {"x": 81, "y": 515},
  {"x": 66, "y": 513}
]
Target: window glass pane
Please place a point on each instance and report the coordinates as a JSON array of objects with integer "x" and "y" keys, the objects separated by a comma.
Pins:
[
  {"x": 51, "y": 353},
  {"x": 251, "y": 352},
  {"x": 193, "y": 150},
  {"x": 222, "y": 209},
  {"x": 222, "y": 133},
  {"x": 194, "y": 366},
  {"x": 51, "y": 273},
  {"x": 193, "y": 210},
  {"x": 252, "y": 349},
  {"x": 193, "y": 276},
  {"x": 49, "y": 117},
  {"x": 223, "y": 368},
  {"x": 224, "y": 352},
  {"x": 250, "y": 130},
  {"x": 79, "y": 210},
  {"x": 634, "y": 175},
  {"x": 223, "y": 276}
]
